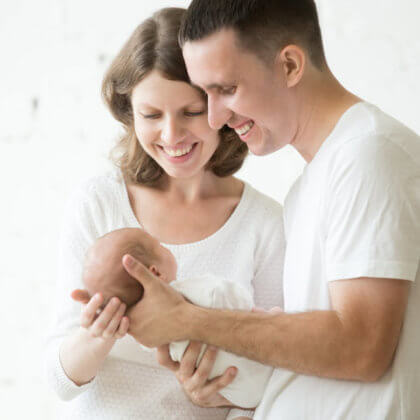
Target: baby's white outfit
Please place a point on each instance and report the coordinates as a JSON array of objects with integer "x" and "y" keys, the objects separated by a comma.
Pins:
[{"x": 209, "y": 291}]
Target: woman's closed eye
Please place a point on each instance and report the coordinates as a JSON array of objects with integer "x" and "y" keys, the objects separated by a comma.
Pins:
[
  {"x": 150, "y": 116},
  {"x": 155, "y": 116},
  {"x": 194, "y": 113}
]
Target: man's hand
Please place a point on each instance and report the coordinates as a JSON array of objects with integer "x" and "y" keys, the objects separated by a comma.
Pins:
[
  {"x": 156, "y": 319},
  {"x": 194, "y": 381}
]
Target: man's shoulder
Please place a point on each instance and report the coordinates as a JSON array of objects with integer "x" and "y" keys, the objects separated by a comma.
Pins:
[{"x": 372, "y": 134}]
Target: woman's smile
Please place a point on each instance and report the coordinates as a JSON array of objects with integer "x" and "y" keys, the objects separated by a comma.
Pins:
[{"x": 179, "y": 154}]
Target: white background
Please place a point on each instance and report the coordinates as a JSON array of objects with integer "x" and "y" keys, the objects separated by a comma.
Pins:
[{"x": 55, "y": 132}]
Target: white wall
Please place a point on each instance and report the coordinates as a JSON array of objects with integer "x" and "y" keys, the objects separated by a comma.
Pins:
[{"x": 54, "y": 132}]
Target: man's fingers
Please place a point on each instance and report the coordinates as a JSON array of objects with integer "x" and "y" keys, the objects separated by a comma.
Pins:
[
  {"x": 137, "y": 270},
  {"x": 80, "y": 295},
  {"x": 164, "y": 358}
]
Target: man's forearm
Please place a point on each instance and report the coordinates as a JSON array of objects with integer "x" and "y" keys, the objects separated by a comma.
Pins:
[{"x": 314, "y": 343}]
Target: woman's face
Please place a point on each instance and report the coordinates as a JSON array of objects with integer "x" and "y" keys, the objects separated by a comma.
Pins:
[{"x": 170, "y": 120}]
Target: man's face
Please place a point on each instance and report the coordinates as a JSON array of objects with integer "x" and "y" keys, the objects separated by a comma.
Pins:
[{"x": 243, "y": 91}]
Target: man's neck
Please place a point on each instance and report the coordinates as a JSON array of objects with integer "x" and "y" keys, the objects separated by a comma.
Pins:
[{"x": 323, "y": 103}]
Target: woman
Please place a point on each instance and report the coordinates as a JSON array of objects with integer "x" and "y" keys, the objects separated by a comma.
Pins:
[{"x": 174, "y": 179}]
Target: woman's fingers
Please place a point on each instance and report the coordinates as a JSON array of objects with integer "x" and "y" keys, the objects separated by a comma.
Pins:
[
  {"x": 123, "y": 327},
  {"x": 203, "y": 370},
  {"x": 164, "y": 358},
  {"x": 189, "y": 361},
  {"x": 104, "y": 318},
  {"x": 113, "y": 324},
  {"x": 275, "y": 310},
  {"x": 216, "y": 384},
  {"x": 90, "y": 310},
  {"x": 198, "y": 387},
  {"x": 257, "y": 309},
  {"x": 80, "y": 295}
]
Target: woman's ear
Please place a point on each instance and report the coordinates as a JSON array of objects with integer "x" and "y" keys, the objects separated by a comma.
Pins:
[{"x": 291, "y": 61}]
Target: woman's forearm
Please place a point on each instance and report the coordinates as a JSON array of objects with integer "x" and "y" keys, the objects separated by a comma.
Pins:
[{"x": 81, "y": 355}]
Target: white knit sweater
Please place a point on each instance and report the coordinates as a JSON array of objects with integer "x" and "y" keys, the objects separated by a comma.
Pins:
[{"x": 248, "y": 248}]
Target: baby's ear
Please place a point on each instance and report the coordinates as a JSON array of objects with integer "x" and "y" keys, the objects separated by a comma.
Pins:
[{"x": 154, "y": 270}]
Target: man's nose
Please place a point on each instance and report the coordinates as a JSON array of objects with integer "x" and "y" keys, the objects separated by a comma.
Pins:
[
  {"x": 172, "y": 131},
  {"x": 218, "y": 114}
]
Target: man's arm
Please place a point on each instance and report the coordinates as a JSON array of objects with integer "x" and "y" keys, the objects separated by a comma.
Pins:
[{"x": 355, "y": 340}]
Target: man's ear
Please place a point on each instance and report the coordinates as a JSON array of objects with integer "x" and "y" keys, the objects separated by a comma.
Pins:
[{"x": 291, "y": 60}]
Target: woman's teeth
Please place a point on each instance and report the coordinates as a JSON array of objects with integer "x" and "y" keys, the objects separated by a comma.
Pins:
[
  {"x": 244, "y": 129},
  {"x": 178, "y": 152}
]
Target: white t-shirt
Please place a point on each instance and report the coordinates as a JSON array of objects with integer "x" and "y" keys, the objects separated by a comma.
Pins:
[
  {"x": 354, "y": 212},
  {"x": 247, "y": 389},
  {"x": 247, "y": 249}
]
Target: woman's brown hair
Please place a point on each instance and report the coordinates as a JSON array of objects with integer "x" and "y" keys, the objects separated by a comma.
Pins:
[{"x": 154, "y": 46}]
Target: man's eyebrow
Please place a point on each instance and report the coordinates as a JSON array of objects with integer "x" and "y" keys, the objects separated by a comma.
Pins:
[{"x": 210, "y": 86}]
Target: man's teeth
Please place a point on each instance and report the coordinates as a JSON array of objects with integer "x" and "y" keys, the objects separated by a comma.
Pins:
[
  {"x": 244, "y": 129},
  {"x": 178, "y": 152}
]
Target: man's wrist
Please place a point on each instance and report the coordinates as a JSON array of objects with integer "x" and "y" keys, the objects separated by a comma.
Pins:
[{"x": 192, "y": 318}]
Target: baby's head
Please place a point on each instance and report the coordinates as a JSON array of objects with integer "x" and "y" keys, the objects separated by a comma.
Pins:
[{"x": 103, "y": 270}]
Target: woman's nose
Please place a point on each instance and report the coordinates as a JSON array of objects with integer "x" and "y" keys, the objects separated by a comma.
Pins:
[{"x": 172, "y": 131}]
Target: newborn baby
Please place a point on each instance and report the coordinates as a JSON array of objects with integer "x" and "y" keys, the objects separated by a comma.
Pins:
[{"x": 103, "y": 272}]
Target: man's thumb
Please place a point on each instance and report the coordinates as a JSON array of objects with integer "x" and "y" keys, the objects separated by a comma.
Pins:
[{"x": 137, "y": 270}]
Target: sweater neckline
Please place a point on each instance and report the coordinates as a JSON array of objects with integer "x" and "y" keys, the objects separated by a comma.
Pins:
[{"x": 232, "y": 219}]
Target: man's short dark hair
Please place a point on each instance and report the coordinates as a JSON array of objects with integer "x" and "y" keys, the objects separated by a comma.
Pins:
[{"x": 263, "y": 26}]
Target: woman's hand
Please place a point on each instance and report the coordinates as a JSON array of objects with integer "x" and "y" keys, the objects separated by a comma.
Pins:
[
  {"x": 109, "y": 323},
  {"x": 199, "y": 389},
  {"x": 242, "y": 418},
  {"x": 82, "y": 354}
]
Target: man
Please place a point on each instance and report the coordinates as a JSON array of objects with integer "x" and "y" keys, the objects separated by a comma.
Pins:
[{"x": 347, "y": 344}]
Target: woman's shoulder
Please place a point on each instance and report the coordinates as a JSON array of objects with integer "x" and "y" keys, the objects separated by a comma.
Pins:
[
  {"x": 96, "y": 197},
  {"x": 263, "y": 205},
  {"x": 102, "y": 187}
]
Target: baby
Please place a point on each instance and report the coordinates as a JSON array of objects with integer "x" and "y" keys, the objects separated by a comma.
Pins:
[{"x": 103, "y": 272}]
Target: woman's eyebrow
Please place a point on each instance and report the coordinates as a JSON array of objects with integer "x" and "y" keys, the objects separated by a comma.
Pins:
[{"x": 154, "y": 108}]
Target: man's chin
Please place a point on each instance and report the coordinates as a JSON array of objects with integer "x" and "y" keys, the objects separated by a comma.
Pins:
[{"x": 259, "y": 150}]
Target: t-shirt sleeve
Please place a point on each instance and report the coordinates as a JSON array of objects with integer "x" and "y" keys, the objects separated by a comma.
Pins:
[
  {"x": 372, "y": 223},
  {"x": 77, "y": 233}
]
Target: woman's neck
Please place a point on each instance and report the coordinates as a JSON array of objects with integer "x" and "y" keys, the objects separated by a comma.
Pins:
[{"x": 188, "y": 190}]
